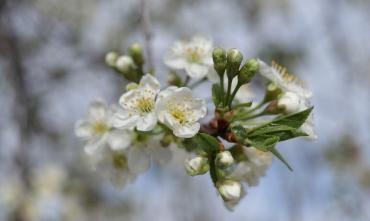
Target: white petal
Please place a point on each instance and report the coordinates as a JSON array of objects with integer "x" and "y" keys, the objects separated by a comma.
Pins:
[
  {"x": 147, "y": 122},
  {"x": 83, "y": 129},
  {"x": 119, "y": 139},
  {"x": 187, "y": 131},
  {"x": 175, "y": 61},
  {"x": 127, "y": 97},
  {"x": 196, "y": 71},
  {"x": 152, "y": 82},
  {"x": 138, "y": 160},
  {"x": 125, "y": 119},
  {"x": 93, "y": 145},
  {"x": 98, "y": 110}
]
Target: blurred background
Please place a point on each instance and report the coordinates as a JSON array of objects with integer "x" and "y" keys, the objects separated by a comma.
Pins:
[{"x": 52, "y": 67}]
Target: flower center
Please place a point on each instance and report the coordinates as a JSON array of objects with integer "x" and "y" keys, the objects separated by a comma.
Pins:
[
  {"x": 145, "y": 104},
  {"x": 100, "y": 127},
  {"x": 179, "y": 114},
  {"x": 119, "y": 161},
  {"x": 194, "y": 54}
]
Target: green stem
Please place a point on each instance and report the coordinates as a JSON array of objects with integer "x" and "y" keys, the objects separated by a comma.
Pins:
[
  {"x": 198, "y": 83},
  {"x": 228, "y": 91},
  {"x": 222, "y": 87},
  {"x": 212, "y": 169},
  {"x": 233, "y": 94},
  {"x": 250, "y": 117}
]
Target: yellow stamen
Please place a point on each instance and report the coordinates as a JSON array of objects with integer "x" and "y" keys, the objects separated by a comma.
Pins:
[
  {"x": 100, "y": 127},
  {"x": 119, "y": 160}
]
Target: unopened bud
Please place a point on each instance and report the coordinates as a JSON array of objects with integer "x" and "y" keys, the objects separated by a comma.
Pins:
[
  {"x": 289, "y": 102},
  {"x": 111, "y": 58},
  {"x": 272, "y": 92},
  {"x": 166, "y": 140},
  {"x": 248, "y": 71},
  {"x": 234, "y": 59},
  {"x": 131, "y": 86},
  {"x": 224, "y": 159},
  {"x": 197, "y": 166},
  {"x": 124, "y": 64},
  {"x": 174, "y": 79},
  {"x": 230, "y": 190},
  {"x": 136, "y": 52},
  {"x": 219, "y": 60}
]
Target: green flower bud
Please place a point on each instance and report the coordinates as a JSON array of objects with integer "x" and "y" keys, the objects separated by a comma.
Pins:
[
  {"x": 166, "y": 140},
  {"x": 234, "y": 59},
  {"x": 197, "y": 166},
  {"x": 131, "y": 86},
  {"x": 272, "y": 92},
  {"x": 111, "y": 58},
  {"x": 224, "y": 159},
  {"x": 248, "y": 71},
  {"x": 174, "y": 79},
  {"x": 136, "y": 52},
  {"x": 124, "y": 64},
  {"x": 219, "y": 60}
]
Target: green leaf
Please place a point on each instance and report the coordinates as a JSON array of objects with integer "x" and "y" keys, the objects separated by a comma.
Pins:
[
  {"x": 282, "y": 131},
  {"x": 240, "y": 132},
  {"x": 294, "y": 120},
  {"x": 263, "y": 142},
  {"x": 216, "y": 94},
  {"x": 280, "y": 157},
  {"x": 206, "y": 142},
  {"x": 247, "y": 104}
]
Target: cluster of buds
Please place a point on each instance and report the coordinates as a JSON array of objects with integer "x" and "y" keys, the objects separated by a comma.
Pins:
[
  {"x": 129, "y": 65},
  {"x": 151, "y": 120}
]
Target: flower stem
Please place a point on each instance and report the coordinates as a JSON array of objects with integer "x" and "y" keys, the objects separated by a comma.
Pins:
[
  {"x": 228, "y": 92},
  {"x": 222, "y": 87},
  {"x": 233, "y": 94}
]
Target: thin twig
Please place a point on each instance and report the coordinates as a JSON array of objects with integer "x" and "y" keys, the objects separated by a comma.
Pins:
[{"x": 145, "y": 25}]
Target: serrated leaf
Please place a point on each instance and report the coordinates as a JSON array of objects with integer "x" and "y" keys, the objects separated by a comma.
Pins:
[
  {"x": 263, "y": 142},
  {"x": 282, "y": 131},
  {"x": 207, "y": 142},
  {"x": 216, "y": 94},
  {"x": 294, "y": 120}
]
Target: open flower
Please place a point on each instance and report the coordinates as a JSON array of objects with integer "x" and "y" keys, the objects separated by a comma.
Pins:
[
  {"x": 95, "y": 128},
  {"x": 254, "y": 167},
  {"x": 139, "y": 106},
  {"x": 194, "y": 56},
  {"x": 180, "y": 111},
  {"x": 295, "y": 97}
]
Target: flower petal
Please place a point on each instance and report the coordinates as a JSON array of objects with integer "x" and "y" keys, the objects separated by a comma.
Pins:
[
  {"x": 187, "y": 131},
  {"x": 152, "y": 82},
  {"x": 147, "y": 122},
  {"x": 125, "y": 119},
  {"x": 119, "y": 139},
  {"x": 83, "y": 129},
  {"x": 196, "y": 71}
]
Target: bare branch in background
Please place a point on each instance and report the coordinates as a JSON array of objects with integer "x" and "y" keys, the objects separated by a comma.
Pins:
[{"x": 145, "y": 24}]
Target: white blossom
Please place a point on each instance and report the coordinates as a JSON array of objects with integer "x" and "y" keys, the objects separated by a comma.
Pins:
[
  {"x": 95, "y": 128},
  {"x": 180, "y": 111},
  {"x": 252, "y": 169},
  {"x": 295, "y": 96},
  {"x": 194, "y": 56},
  {"x": 139, "y": 106}
]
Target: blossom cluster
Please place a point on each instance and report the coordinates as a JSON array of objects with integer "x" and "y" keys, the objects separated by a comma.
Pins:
[{"x": 236, "y": 146}]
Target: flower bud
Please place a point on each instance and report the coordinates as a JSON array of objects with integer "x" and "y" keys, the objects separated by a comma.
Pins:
[
  {"x": 219, "y": 60},
  {"x": 131, "y": 86},
  {"x": 124, "y": 63},
  {"x": 174, "y": 79},
  {"x": 224, "y": 159},
  {"x": 230, "y": 190},
  {"x": 234, "y": 59},
  {"x": 197, "y": 166},
  {"x": 248, "y": 71},
  {"x": 111, "y": 58},
  {"x": 289, "y": 102},
  {"x": 272, "y": 92},
  {"x": 136, "y": 52},
  {"x": 166, "y": 140}
]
